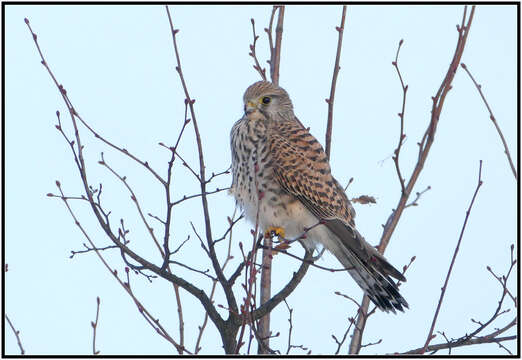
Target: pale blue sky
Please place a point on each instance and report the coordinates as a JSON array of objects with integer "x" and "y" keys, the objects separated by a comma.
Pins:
[{"x": 118, "y": 67}]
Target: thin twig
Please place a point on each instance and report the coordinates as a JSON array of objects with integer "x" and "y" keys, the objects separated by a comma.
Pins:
[
  {"x": 17, "y": 334},
  {"x": 493, "y": 119},
  {"x": 231, "y": 224},
  {"x": 402, "y": 136},
  {"x": 185, "y": 197},
  {"x": 372, "y": 343},
  {"x": 202, "y": 272},
  {"x": 418, "y": 195},
  {"x": 257, "y": 67},
  {"x": 88, "y": 249},
  {"x": 487, "y": 339},
  {"x": 290, "y": 327},
  {"x": 133, "y": 197},
  {"x": 348, "y": 297},
  {"x": 94, "y": 325},
  {"x": 503, "y": 283},
  {"x": 444, "y": 288},
  {"x": 330, "y": 100},
  {"x": 349, "y": 182},
  {"x": 180, "y": 245},
  {"x": 345, "y": 335}
]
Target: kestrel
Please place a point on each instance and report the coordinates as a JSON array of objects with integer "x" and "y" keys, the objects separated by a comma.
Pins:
[{"x": 281, "y": 179}]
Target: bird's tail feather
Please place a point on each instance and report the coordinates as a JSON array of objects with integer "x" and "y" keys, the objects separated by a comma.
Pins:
[{"x": 369, "y": 268}]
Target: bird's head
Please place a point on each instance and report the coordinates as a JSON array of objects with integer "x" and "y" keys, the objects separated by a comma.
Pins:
[{"x": 268, "y": 99}]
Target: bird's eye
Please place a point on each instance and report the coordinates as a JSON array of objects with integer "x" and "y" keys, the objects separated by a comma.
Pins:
[{"x": 266, "y": 100}]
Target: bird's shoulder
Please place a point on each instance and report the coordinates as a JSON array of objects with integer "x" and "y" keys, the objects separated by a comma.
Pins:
[{"x": 302, "y": 168}]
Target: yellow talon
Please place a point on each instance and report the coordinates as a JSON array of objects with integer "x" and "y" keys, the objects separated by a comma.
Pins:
[{"x": 275, "y": 231}]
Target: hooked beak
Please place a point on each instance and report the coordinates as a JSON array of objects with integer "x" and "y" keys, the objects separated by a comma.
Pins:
[{"x": 250, "y": 107}]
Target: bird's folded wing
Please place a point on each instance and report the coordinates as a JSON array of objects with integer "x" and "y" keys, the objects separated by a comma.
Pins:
[{"x": 301, "y": 168}]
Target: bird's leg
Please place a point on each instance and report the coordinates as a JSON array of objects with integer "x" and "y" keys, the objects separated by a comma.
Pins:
[{"x": 273, "y": 231}]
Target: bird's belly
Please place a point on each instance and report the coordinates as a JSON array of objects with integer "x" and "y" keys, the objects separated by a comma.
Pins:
[{"x": 287, "y": 212}]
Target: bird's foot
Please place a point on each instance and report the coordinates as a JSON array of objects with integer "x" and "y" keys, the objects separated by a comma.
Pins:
[{"x": 275, "y": 231}]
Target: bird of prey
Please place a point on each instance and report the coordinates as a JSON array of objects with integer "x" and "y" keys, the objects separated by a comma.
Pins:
[{"x": 281, "y": 179}]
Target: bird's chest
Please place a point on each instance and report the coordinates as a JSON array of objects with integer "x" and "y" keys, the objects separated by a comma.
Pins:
[
  {"x": 251, "y": 168},
  {"x": 254, "y": 186}
]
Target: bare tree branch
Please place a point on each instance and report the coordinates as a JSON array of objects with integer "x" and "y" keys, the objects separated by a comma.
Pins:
[
  {"x": 493, "y": 119},
  {"x": 330, "y": 100},
  {"x": 94, "y": 325},
  {"x": 490, "y": 338},
  {"x": 418, "y": 195},
  {"x": 474, "y": 341},
  {"x": 443, "y": 292},
  {"x": 402, "y": 136},
  {"x": 424, "y": 148},
  {"x": 290, "y": 328},
  {"x": 257, "y": 67},
  {"x": 17, "y": 334}
]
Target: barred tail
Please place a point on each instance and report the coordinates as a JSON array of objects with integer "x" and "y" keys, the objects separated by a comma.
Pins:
[{"x": 369, "y": 268}]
